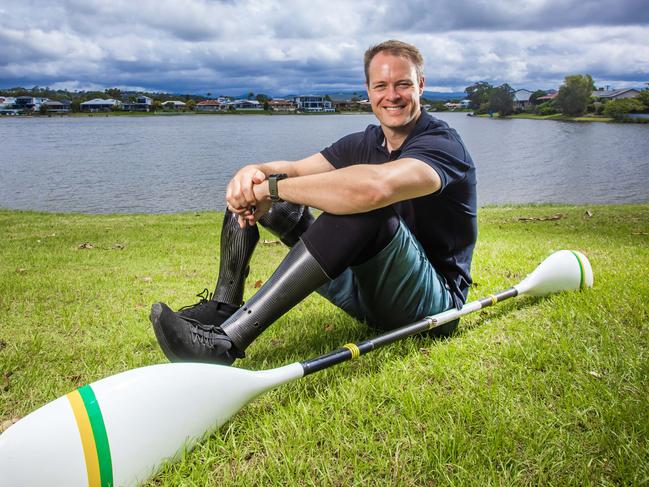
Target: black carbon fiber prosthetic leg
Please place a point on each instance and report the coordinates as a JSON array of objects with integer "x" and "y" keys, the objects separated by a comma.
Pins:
[
  {"x": 288, "y": 221},
  {"x": 296, "y": 277},
  {"x": 237, "y": 246}
]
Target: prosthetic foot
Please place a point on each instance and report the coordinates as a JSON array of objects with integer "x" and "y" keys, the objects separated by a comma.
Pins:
[{"x": 189, "y": 340}]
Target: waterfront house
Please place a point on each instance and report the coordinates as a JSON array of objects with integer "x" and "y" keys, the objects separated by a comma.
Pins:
[
  {"x": 7, "y": 101},
  {"x": 281, "y": 105},
  {"x": 313, "y": 103},
  {"x": 174, "y": 105},
  {"x": 607, "y": 95},
  {"x": 245, "y": 105},
  {"x": 7, "y": 105},
  {"x": 549, "y": 96},
  {"x": 100, "y": 105},
  {"x": 522, "y": 99},
  {"x": 209, "y": 106},
  {"x": 54, "y": 106},
  {"x": 451, "y": 105},
  {"x": 141, "y": 104},
  {"x": 29, "y": 103}
]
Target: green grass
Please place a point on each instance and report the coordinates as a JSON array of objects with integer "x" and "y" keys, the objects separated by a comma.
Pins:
[{"x": 533, "y": 391}]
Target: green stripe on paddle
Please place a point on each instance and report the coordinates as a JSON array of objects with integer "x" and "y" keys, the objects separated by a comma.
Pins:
[{"x": 99, "y": 431}]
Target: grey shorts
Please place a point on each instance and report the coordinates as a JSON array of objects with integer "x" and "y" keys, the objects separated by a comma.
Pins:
[{"x": 396, "y": 287}]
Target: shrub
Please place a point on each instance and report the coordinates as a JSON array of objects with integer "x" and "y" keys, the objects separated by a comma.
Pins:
[
  {"x": 546, "y": 109},
  {"x": 618, "y": 109}
]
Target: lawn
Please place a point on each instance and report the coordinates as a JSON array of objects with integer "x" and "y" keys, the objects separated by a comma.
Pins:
[{"x": 532, "y": 391}]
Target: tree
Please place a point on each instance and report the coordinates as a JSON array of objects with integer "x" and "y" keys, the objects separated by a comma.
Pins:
[
  {"x": 501, "y": 100},
  {"x": 478, "y": 94},
  {"x": 261, "y": 98},
  {"x": 191, "y": 104},
  {"x": 574, "y": 94},
  {"x": 643, "y": 97},
  {"x": 114, "y": 93}
]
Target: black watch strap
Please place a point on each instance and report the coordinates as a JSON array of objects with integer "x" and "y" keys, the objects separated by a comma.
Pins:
[{"x": 272, "y": 186}]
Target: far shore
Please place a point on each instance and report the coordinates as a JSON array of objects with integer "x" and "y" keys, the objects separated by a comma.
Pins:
[{"x": 529, "y": 116}]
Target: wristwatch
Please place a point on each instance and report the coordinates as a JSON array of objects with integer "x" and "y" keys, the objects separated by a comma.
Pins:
[{"x": 272, "y": 186}]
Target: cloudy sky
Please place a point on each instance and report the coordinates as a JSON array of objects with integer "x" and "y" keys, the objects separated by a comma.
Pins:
[{"x": 279, "y": 47}]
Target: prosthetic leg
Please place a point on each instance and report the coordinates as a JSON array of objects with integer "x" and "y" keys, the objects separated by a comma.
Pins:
[{"x": 285, "y": 220}]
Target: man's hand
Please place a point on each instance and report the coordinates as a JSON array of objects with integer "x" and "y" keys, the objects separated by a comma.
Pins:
[
  {"x": 247, "y": 195},
  {"x": 240, "y": 194}
]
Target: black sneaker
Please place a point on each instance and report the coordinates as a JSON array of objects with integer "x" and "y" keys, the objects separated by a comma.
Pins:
[
  {"x": 206, "y": 311},
  {"x": 185, "y": 339}
]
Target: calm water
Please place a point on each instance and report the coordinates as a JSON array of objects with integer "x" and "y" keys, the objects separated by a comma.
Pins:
[{"x": 167, "y": 164}]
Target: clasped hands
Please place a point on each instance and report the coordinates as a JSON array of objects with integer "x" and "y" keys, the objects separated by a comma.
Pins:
[{"x": 247, "y": 195}]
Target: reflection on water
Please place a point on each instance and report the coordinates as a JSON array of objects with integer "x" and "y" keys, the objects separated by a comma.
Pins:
[{"x": 181, "y": 163}]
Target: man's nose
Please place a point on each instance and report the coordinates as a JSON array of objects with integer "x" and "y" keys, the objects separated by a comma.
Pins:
[{"x": 392, "y": 92}]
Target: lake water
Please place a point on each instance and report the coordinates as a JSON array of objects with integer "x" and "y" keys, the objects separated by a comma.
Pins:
[{"x": 181, "y": 163}]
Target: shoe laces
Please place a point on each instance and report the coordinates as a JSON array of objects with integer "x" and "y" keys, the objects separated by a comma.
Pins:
[
  {"x": 205, "y": 296},
  {"x": 207, "y": 336}
]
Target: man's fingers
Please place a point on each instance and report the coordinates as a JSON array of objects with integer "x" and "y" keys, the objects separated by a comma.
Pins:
[{"x": 259, "y": 177}]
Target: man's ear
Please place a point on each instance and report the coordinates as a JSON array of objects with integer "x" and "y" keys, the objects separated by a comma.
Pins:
[
  {"x": 421, "y": 85},
  {"x": 367, "y": 90}
]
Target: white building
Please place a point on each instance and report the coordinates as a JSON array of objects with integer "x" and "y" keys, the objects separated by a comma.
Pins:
[
  {"x": 245, "y": 105},
  {"x": 29, "y": 103},
  {"x": 100, "y": 105},
  {"x": 313, "y": 103},
  {"x": 522, "y": 98},
  {"x": 174, "y": 105}
]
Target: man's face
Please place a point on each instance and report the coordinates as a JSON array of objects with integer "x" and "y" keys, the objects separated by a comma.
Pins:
[{"x": 394, "y": 90}]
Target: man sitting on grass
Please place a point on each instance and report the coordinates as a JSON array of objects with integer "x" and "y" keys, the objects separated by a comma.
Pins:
[{"x": 393, "y": 244}]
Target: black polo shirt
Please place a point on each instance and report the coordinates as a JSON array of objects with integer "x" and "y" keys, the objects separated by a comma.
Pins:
[{"x": 444, "y": 222}]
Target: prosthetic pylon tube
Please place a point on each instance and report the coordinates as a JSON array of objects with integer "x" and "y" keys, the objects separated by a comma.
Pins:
[{"x": 296, "y": 277}]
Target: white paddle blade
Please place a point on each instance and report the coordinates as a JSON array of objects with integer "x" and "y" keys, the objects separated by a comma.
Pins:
[
  {"x": 565, "y": 270},
  {"x": 149, "y": 415}
]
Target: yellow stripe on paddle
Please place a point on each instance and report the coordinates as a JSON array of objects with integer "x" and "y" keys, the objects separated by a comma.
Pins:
[
  {"x": 353, "y": 349},
  {"x": 87, "y": 438}
]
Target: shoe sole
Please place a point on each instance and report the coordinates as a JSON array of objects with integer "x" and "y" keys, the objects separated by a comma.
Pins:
[{"x": 154, "y": 317}]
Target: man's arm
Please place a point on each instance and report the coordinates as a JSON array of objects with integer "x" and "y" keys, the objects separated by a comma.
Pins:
[
  {"x": 240, "y": 194},
  {"x": 358, "y": 188}
]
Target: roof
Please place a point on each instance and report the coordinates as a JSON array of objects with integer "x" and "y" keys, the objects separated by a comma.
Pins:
[
  {"x": 611, "y": 93},
  {"x": 522, "y": 95},
  {"x": 101, "y": 101},
  {"x": 175, "y": 102},
  {"x": 209, "y": 103}
]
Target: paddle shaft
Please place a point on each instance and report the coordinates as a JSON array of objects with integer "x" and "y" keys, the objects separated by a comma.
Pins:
[{"x": 354, "y": 350}]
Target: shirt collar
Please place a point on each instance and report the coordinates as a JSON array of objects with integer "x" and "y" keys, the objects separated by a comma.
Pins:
[{"x": 420, "y": 127}]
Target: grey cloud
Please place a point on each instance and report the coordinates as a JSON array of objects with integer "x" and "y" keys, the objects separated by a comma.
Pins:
[
  {"x": 453, "y": 15},
  {"x": 233, "y": 46}
]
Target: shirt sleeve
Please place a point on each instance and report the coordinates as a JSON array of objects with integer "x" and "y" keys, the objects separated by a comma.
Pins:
[
  {"x": 444, "y": 152},
  {"x": 344, "y": 152}
]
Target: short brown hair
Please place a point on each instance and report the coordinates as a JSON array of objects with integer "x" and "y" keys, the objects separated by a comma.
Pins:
[{"x": 396, "y": 48}]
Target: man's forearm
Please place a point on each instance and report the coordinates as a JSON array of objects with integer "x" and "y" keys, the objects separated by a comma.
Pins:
[
  {"x": 358, "y": 188},
  {"x": 353, "y": 190}
]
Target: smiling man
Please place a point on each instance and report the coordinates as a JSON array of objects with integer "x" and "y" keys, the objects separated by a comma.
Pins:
[{"x": 393, "y": 244}]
